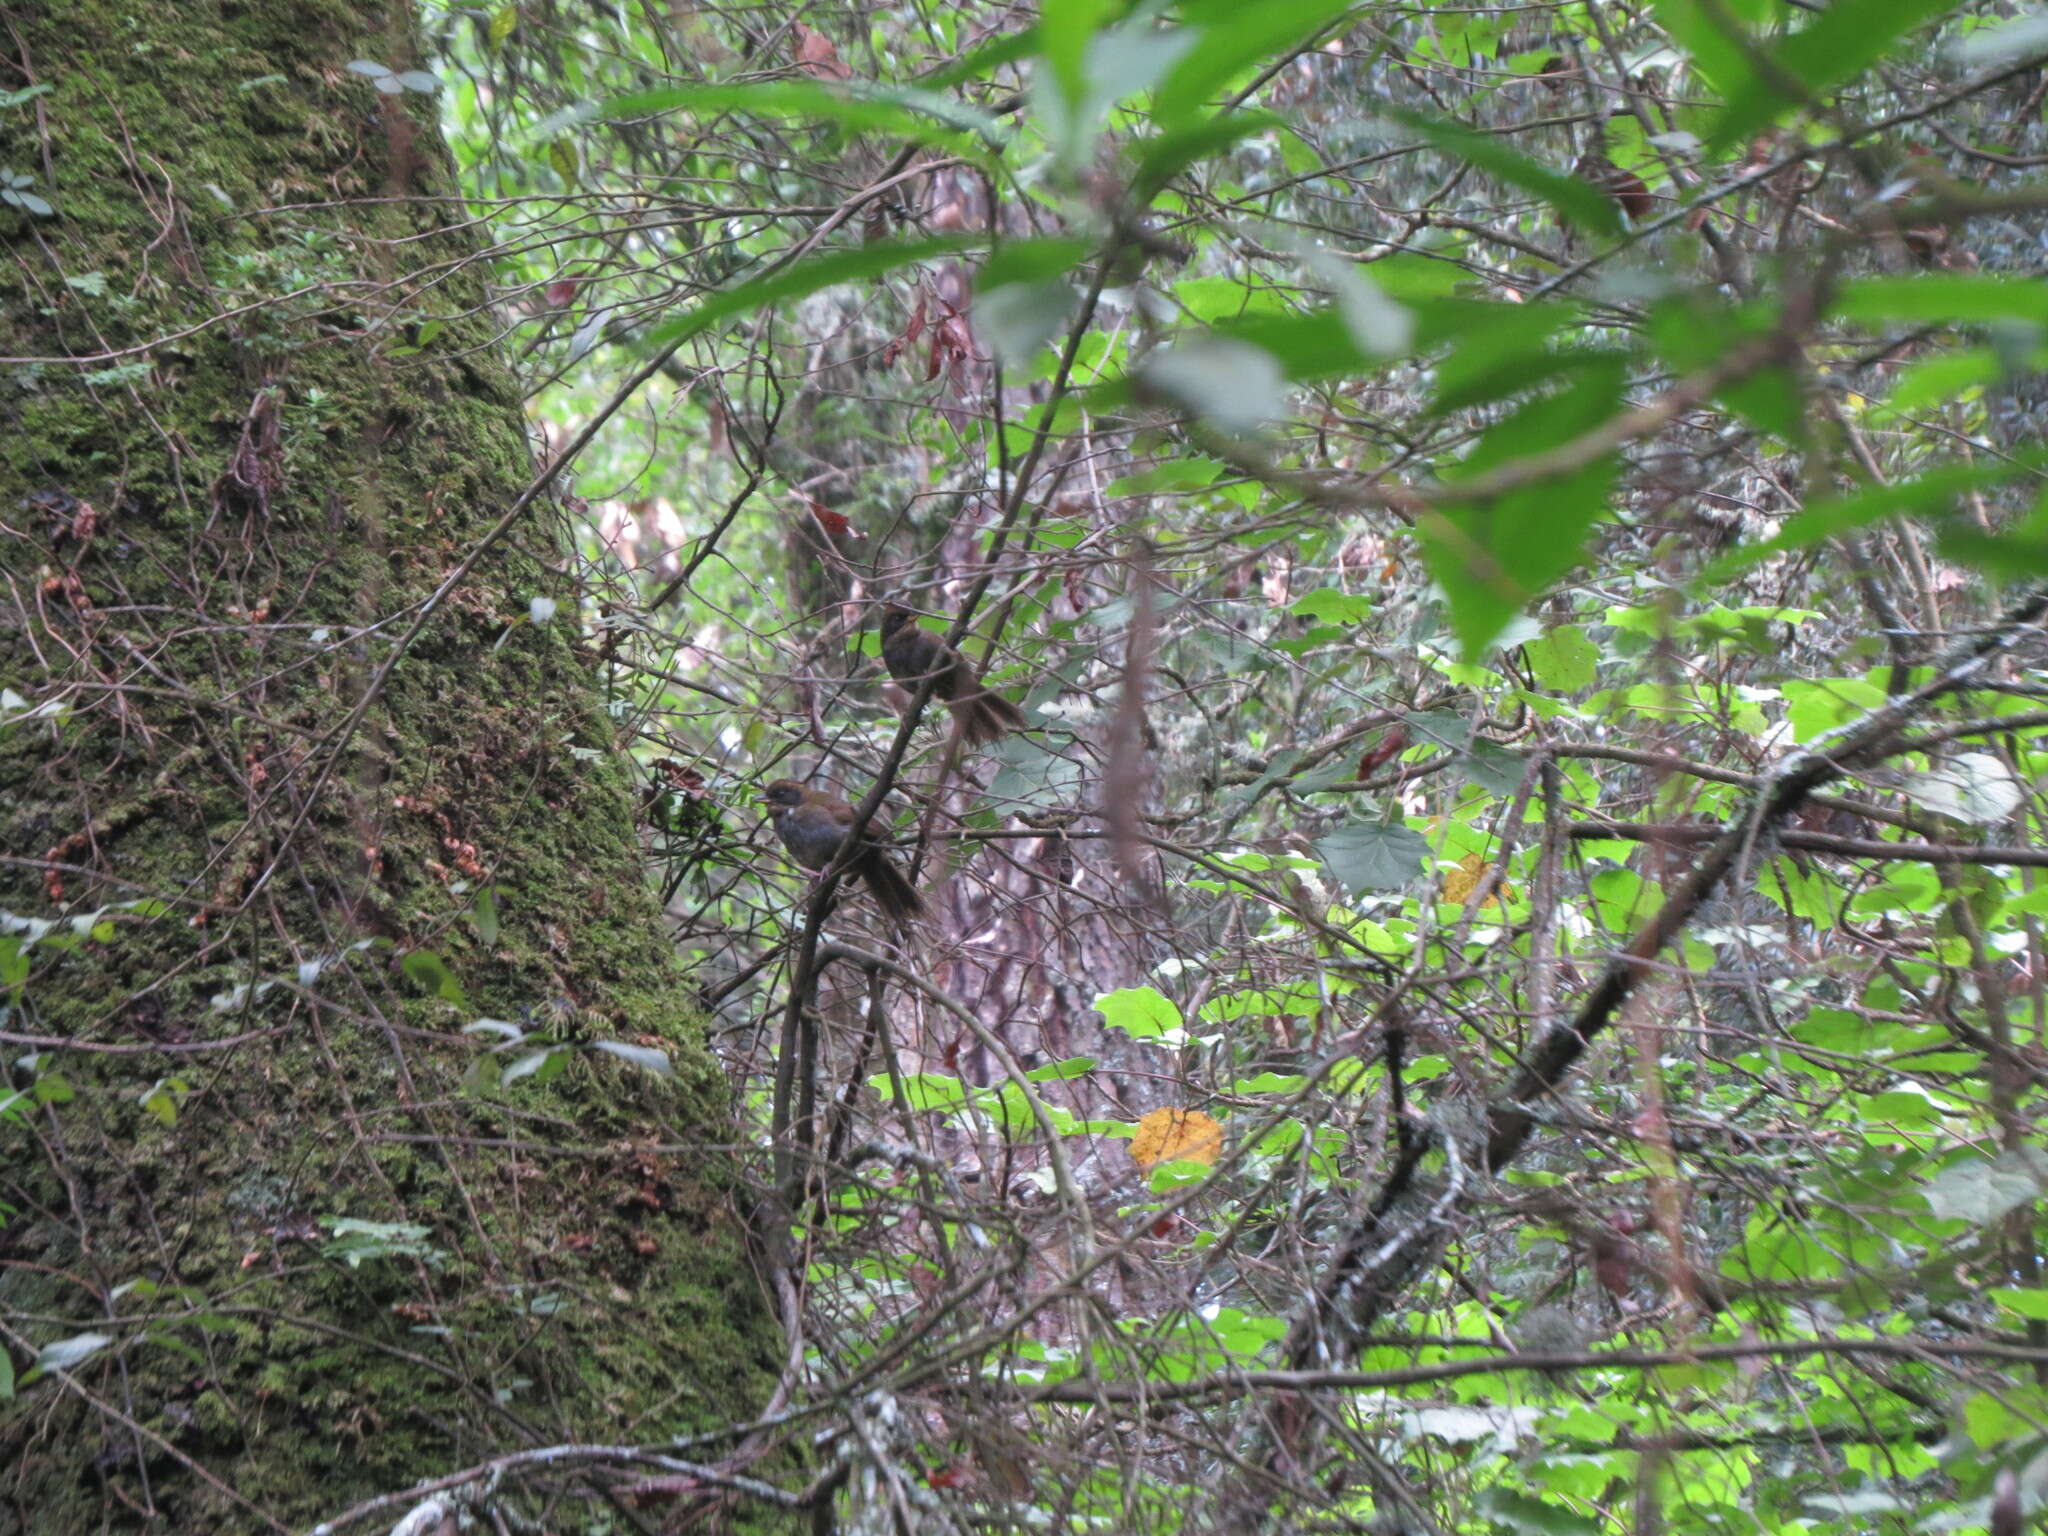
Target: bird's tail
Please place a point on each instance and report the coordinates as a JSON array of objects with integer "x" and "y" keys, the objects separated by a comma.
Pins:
[
  {"x": 894, "y": 894},
  {"x": 985, "y": 717}
]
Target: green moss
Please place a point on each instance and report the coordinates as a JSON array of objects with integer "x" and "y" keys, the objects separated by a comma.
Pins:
[{"x": 272, "y": 475}]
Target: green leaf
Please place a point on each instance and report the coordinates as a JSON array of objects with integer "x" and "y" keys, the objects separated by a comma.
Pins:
[
  {"x": 1065, "y": 29},
  {"x": 1844, "y": 40},
  {"x": 1576, "y": 201},
  {"x": 1933, "y": 491},
  {"x": 1269, "y": 1082},
  {"x": 536, "y": 1065},
  {"x": 924, "y": 1091},
  {"x": 802, "y": 280},
  {"x": 1332, "y": 607},
  {"x": 1235, "y": 38},
  {"x": 1381, "y": 327},
  {"x": 985, "y": 60},
  {"x": 1060, "y": 1071},
  {"x": 1030, "y": 261},
  {"x": 1563, "y": 659},
  {"x": 485, "y": 914},
  {"x": 1979, "y": 1192},
  {"x": 645, "y": 1057},
  {"x": 1504, "y": 357},
  {"x": 1520, "y": 1514},
  {"x": 1718, "y": 57},
  {"x": 1143, "y": 1013},
  {"x": 1493, "y": 767},
  {"x": 1942, "y": 298},
  {"x": 1165, "y": 157},
  {"x": 1971, "y": 786},
  {"x": 1235, "y": 386},
  {"x": 1493, "y": 557},
  {"x": 1367, "y": 857},
  {"x": 427, "y": 969},
  {"x": 919, "y": 115},
  {"x": 1030, "y": 773},
  {"x": 63, "y": 1354},
  {"x": 2026, "y": 1303},
  {"x": 1018, "y": 319}
]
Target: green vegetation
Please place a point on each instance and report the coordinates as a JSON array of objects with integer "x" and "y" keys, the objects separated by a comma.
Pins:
[{"x": 1502, "y": 988}]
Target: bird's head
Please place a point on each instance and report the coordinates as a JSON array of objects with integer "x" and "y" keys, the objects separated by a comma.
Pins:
[{"x": 783, "y": 794}]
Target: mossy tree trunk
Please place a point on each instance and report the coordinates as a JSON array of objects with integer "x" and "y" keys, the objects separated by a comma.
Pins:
[{"x": 252, "y": 417}]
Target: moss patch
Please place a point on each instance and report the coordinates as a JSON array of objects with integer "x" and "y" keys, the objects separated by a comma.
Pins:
[{"x": 225, "y": 514}]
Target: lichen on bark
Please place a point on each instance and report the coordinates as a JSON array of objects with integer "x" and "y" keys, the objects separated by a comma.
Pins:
[{"x": 253, "y": 416}]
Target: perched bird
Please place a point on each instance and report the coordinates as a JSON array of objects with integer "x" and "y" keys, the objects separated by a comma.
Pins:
[
  {"x": 913, "y": 654},
  {"x": 813, "y": 825}
]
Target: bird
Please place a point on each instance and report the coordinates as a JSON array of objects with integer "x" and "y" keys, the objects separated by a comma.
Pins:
[
  {"x": 912, "y": 654},
  {"x": 813, "y": 826}
]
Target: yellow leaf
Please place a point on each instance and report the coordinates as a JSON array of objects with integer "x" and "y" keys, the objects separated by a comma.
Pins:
[
  {"x": 1176, "y": 1135},
  {"x": 1459, "y": 883}
]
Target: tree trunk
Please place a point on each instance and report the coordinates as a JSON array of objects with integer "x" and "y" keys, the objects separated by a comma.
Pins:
[{"x": 253, "y": 416}]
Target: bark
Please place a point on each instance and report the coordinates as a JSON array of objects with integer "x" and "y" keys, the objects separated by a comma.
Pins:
[{"x": 253, "y": 415}]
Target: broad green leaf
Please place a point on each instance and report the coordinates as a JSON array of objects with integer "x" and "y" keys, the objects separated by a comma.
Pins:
[
  {"x": 981, "y": 61},
  {"x": 1065, "y": 29},
  {"x": 1332, "y": 607},
  {"x": 1698, "y": 28},
  {"x": 1030, "y": 773},
  {"x": 1018, "y": 319},
  {"x": 1521, "y": 1514},
  {"x": 1979, "y": 1192},
  {"x": 924, "y": 1091},
  {"x": 1030, "y": 261},
  {"x": 1143, "y": 1013},
  {"x": 1563, "y": 659},
  {"x": 800, "y": 281},
  {"x": 1369, "y": 857},
  {"x": 66, "y": 1353},
  {"x": 1971, "y": 786},
  {"x": 1163, "y": 158},
  {"x": 1936, "y": 490},
  {"x": 1494, "y": 557},
  {"x": 1493, "y": 767},
  {"x": 1507, "y": 356},
  {"x": 1235, "y": 38},
  {"x": 2029, "y": 1303},
  {"x": 1380, "y": 326},
  {"x": 1233, "y": 385},
  {"x": 1059, "y": 1071},
  {"x": 1577, "y": 201},
  {"x": 645, "y": 1057},
  {"x": 1943, "y": 298},
  {"x": 923, "y": 116},
  {"x": 428, "y": 970},
  {"x": 1845, "y": 39}
]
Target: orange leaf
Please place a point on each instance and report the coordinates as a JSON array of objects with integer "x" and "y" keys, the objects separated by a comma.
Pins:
[
  {"x": 1176, "y": 1135},
  {"x": 819, "y": 58},
  {"x": 1459, "y": 883}
]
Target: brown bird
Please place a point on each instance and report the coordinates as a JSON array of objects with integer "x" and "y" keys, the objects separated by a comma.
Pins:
[
  {"x": 914, "y": 653},
  {"x": 813, "y": 826}
]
